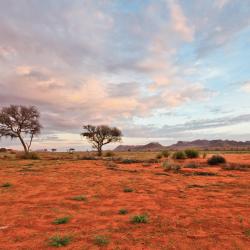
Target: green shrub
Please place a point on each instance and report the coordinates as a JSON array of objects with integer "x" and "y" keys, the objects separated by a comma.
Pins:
[
  {"x": 79, "y": 198},
  {"x": 128, "y": 190},
  {"x": 130, "y": 161},
  {"x": 62, "y": 220},
  {"x": 59, "y": 241},
  {"x": 168, "y": 166},
  {"x": 123, "y": 211},
  {"x": 216, "y": 159},
  {"x": 6, "y": 185},
  {"x": 143, "y": 218},
  {"x": 109, "y": 154},
  {"x": 192, "y": 165},
  {"x": 204, "y": 155},
  {"x": 165, "y": 153},
  {"x": 159, "y": 156},
  {"x": 192, "y": 153},
  {"x": 101, "y": 240},
  {"x": 179, "y": 155}
]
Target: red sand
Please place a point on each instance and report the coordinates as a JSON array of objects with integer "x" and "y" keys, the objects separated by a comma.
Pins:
[{"x": 214, "y": 215}]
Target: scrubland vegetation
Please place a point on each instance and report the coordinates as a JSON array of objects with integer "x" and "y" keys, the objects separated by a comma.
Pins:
[{"x": 124, "y": 200}]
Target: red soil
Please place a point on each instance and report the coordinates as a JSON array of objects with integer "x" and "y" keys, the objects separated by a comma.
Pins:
[{"x": 214, "y": 214}]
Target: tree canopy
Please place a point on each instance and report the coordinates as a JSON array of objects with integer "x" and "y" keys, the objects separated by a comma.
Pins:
[
  {"x": 17, "y": 121},
  {"x": 98, "y": 136}
]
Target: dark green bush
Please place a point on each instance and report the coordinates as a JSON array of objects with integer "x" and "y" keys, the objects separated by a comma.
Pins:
[
  {"x": 62, "y": 220},
  {"x": 143, "y": 218},
  {"x": 123, "y": 211},
  {"x": 128, "y": 190},
  {"x": 192, "y": 153},
  {"x": 179, "y": 155},
  {"x": 59, "y": 241},
  {"x": 216, "y": 160}
]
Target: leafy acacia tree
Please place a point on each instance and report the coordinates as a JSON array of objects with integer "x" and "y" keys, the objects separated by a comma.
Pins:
[
  {"x": 98, "y": 136},
  {"x": 20, "y": 122}
]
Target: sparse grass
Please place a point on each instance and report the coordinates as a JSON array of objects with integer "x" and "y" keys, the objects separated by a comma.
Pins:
[
  {"x": 205, "y": 173},
  {"x": 168, "y": 166},
  {"x": 237, "y": 167},
  {"x": 59, "y": 241},
  {"x": 111, "y": 164},
  {"x": 6, "y": 185},
  {"x": 216, "y": 160},
  {"x": 123, "y": 211},
  {"x": 247, "y": 232},
  {"x": 195, "y": 186},
  {"x": 29, "y": 156},
  {"x": 128, "y": 190},
  {"x": 143, "y": 218},
  {"x": 79, "y": 198},
  {"x": 179, "y": 155},
  {"x": 101, "y": 240},
  {"x": 109, "y": 154},
  {"x": 192, "y": 165},
  {"x": 62, "y": 220}
]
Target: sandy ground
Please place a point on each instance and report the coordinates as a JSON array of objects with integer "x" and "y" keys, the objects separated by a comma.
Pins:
[{"x": 184, "y": 211}]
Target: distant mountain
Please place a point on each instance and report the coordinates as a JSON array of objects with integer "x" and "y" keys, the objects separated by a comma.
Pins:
[
  {"x": 198, "y": 144},
  {"x": 153, "y": 146},
  {"x": 211, "y": 144}
]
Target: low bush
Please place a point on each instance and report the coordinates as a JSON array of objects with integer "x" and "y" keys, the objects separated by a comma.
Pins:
[
  {"x": 179, "y": 155},
  {"x": 6, "y": 185},
  {"x": 237, "y": 167},
  {"x": 192, "y": 165},
  {"x": 109, "y": 154},
  {"x": 59, "y": 241},
  {"x": 123, "y": 211},
  {"x": 130, "y": 161},
  {"x": 216, "y": 160},
  {"x": 204, "y": 155},
  {"x": 88, "y": 158},
  {"x": 128, "y": 190},
  {"x": 62, "y": 220},
  {"x": 79, "y": 198},
  {"x": 29, "y": 156},
  {"x": 191, "y": 153},
  {"x": 143, "y": 218},
  {"x": 111, "y": 164},
  {"x": 101, "y": 240},
  {"x": 158, "y": 156},
  {"x": 165, "y": 153},
  {"x": 168, "y": 166}
]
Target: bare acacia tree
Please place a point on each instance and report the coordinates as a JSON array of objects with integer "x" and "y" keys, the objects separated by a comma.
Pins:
[
  {"x": 98, "y": 136},
  {"x": 18, "y": 122}
]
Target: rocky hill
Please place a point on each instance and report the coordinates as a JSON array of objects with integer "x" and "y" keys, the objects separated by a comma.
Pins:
[
  {"x": 198, "y": 144},
  {"x": 153, "y": 146}
]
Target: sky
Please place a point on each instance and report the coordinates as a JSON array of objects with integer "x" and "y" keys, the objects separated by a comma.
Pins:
[{"x": 160, "y": 70}]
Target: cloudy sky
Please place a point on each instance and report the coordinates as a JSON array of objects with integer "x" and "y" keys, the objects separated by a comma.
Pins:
[{"x": 160, "y": 70}]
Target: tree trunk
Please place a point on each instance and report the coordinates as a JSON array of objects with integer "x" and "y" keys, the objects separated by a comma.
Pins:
[
  {"x": 99, "y": 151},
  {"x": 24, "y": 145}
]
